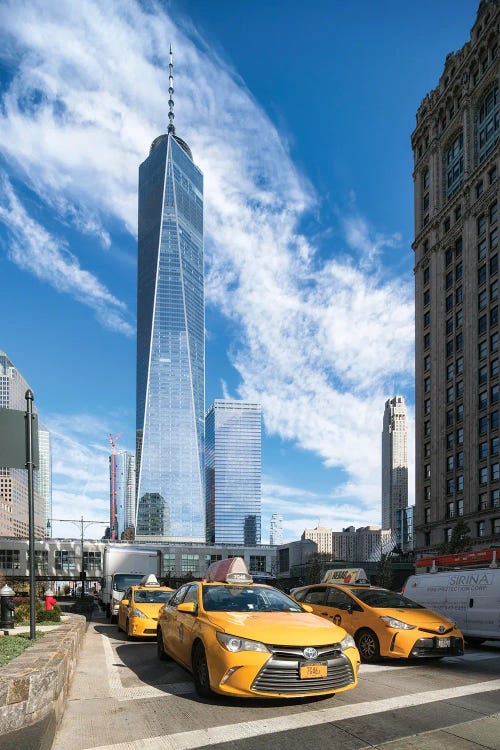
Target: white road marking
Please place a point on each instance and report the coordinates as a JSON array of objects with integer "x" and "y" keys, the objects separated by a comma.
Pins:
[
  {"x": 234, "y": 732},
  {"x": 120, "y": 693}
]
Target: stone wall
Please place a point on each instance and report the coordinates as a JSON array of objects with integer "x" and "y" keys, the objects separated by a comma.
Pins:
[{"x": 34, "y": 686}]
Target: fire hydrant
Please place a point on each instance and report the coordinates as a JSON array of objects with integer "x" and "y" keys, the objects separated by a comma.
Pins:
[
  {"x": 7, "y": 608},
  {"x": 49, "y": 599}
]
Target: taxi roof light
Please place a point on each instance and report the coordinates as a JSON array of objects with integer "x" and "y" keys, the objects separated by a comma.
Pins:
[
  {"x": 149, "y": 580},
  {"x": 346, "y": 576},
  {"x": 230, "y": 570}
]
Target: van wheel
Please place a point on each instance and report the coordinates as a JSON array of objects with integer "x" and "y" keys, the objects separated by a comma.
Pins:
[
  {"x": 368, "y": 645},
  {"x": 160, "y": 650},
  {"x": 200, "y": 671}
]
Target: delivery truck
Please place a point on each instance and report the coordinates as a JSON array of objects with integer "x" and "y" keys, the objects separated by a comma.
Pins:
[{"x": 125, "y": 565}]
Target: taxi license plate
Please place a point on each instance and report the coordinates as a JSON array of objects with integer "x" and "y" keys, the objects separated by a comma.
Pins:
[
  {"x": 310, "y": 671},
  {"x": 443, "y": 643}
]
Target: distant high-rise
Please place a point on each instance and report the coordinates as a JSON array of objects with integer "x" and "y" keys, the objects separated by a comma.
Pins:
[
  {"x": 276, "y": 529},
  {"x": 233, "y": 473},
  {"x": 14, "y": 519},
  {"x": 394, "y": 461},
  {"x": 170, "y": 342},
  {"x": 45, "y": 474},
  {"x": 123, "y": 485},
  {"x": 457, "y": 337}
]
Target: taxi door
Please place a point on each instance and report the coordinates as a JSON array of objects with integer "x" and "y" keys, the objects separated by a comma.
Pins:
[
  {"x": 343, "y": 610},
  {"x": 124, "y": 609},
  {"x": 185, "y": 624},
  {"x": 315, "y": 596}
]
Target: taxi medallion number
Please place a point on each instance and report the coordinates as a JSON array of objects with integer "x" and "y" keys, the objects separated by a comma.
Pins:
[
  {"x": 443, "y": 643},
  {"x": 310, "y": 671}
]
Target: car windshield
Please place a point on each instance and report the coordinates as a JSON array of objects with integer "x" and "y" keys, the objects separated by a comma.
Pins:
[
  {"x": 246, "y": 599},
  {"x": 152, "y": 597},
  {"x": 122, "y": 581},
  {"x": 385, "y": 599}
]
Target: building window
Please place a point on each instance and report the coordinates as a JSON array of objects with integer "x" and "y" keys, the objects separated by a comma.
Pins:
[
  {"x": 483, "y": 425},
  {"x": 483, "y": 399},
  {"x": 495, "y": 472},
  {"x": 427, "y": 471},
  {"x": 483, "y": 475},
  {"x": 483, "y": 450},
  {"x": 460, "y": 483},
  {"x": 449, "y": 326},
  {"x": 495, "y": 525},
  {"x": 65, "y": 561},
  {"x": 494, "y": 393},
  {"x": 494, "y": 368},
  {"x": 427, "y": 515},
  {"x": 427, "y": 493},
  {"x": 460, "y": 412},
  {"x": 450, "y": 371},
  {"x": 450, "y": 394},
  {"x": 447, "y": 535},
  {"x": 495, "y": 498},
  {"x": 482, "y": 324},
  {"x": 494, "y": 238},
  {"x": 493, "y": 212},
  {"x": 454, "y": 165},
  {"x": 427, "y": 450},
  {"x": 481, "y": 528},
  {"x": 258, "y": 563},
  {"x": 427, "y": 428},
  {"x": 426, "y": 275},
  {"x": 460, "y": 436},
  {"x": 493, "y": 264},
  {"x": 488, "y": 123},
  {"x": 448, "y": 256},
  {"x": 458, "y": 272},
  {"x": 460, "y": 460},
  {"x": 449, "y": 302},
  {"x": 427, "y": 297},
  {"x": 427, "y": 406},
  {"x": 460, "y": 388},
  {"x": 450, "y": 442},
  {"x": 481, "y": 249},
  {"x": 495, "y": 446},
  {"x": 483, "y": 501},
  {"x": 427, "y": 319},
  {"x": 481, "y": 275},
  {"x": 450, "y": 487},
  {"x": 481, "y": 224},
  {"x": 450, "y": 463},
  {"x": 482, "y": 349},
  {"x": 449, "y": 348},
  {"x": 427, "y": 385},
  {"x": 427, "y": 538},
  {"x": 460, "y": 365},
  {"x": 493, "y": 291},
  {"x": 427, "y": 340},
  {"x": 460, "y": 507},
  {"x": 483, "y": 375},
  {"x": 449, "y": 418},
  {"x": 459, "y": 317},
  {"x": 10, "y": 559},
  {"x": 449, "y": 279},
  {"x": 494, "y": 419},
  {"x": 458, "y": 295},
  {"x": 427, "y": 362},
  {"x": 450, "y": 510},
  {"x": 494, "y": 316}
]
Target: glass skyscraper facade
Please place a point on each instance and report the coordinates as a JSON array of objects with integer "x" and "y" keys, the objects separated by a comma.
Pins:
[
  {"x": 170, "y": 344},
  {"x": 233, "y": 472},
  {"x": 122, "y": 485}
]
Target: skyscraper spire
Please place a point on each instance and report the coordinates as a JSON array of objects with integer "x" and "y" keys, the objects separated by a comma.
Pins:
[{"x": 171, "y": 126}]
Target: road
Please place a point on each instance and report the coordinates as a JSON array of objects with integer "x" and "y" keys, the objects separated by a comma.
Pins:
[{"x": 124, "y": 698}]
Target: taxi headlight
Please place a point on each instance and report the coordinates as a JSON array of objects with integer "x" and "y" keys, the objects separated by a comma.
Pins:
[
  {"x": 234, "y": 644},
  {"x": 138, "y": 613},
  {"x": 391, "y": 622},
  {"x": 347, "y": 642}
]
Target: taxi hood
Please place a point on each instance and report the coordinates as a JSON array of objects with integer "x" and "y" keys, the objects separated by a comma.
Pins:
[
  {"x": 278, "y": 628},
  {"x": 421, "y": 618}
]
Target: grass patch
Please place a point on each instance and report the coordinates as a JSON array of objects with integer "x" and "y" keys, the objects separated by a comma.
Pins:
[{"x": 13, "y": 645}]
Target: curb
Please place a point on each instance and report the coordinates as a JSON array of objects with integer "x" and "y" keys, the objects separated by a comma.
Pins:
[{"x": 35, "y": 684}]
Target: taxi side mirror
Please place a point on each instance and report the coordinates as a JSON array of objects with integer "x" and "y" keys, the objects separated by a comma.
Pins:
[
  {"x": 124, "y": 601},
  {"x": 189, "y": 607},
  {"x": 307, "y": 607}
]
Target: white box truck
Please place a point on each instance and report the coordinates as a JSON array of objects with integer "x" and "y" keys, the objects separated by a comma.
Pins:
[
  {"x": 469, "y": 597},
  {"x": 124, "y": 566}
]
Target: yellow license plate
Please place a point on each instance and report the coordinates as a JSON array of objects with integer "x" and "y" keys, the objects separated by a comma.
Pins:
[{"x": 309, "y": 671}]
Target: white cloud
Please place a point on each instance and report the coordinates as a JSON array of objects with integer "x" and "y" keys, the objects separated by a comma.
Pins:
[{"x": 322, "y": 342}]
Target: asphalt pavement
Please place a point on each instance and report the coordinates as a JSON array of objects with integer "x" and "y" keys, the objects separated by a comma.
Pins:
[{"x": 123, "y": 698}]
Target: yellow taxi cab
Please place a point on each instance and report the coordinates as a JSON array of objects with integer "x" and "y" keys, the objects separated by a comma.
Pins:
[
  {"x": 139, "y": 608},
  {"x": 382, "y": 622},
  {"x": 240, "y": 638}
]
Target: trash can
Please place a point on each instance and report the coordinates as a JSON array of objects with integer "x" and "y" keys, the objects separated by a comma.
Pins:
[
  {"x": 7, "y": 608},
  {"x": 49, "y": 599}
]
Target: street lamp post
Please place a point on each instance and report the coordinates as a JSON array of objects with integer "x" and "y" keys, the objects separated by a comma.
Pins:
[{"x": 83, "y": 527}]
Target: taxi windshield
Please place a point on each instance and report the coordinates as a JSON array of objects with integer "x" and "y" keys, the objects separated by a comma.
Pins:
[
  {"x": 152, "y": 597},
  {"x": 385, "y": 599},
  {"x": 229, "y": 598}
]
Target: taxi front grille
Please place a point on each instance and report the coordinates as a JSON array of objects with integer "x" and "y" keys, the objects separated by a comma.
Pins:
[
  {"x": 435, "y": 631},
  {"x": 280, "y": 674}
]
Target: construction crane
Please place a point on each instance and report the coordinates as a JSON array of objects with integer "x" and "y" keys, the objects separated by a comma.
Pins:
[{"x": 113, "y": 439}]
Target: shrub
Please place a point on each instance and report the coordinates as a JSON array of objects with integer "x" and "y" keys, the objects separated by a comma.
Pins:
[{"x": 22, "y": 613}]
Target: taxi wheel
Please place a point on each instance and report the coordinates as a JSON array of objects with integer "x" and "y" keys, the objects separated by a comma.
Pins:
[
  {"x": 200, "y": 671},
  {"x": 368, "y": 645},
  {"x": 162, "y": 654},
  {"x": 129, "y": 635}
]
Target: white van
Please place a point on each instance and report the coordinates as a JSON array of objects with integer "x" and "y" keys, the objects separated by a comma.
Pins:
[{"x": 471, "y": 598}]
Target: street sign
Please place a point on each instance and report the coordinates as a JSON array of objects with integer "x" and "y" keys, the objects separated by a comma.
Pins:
[{"x": 13, "y": 449}]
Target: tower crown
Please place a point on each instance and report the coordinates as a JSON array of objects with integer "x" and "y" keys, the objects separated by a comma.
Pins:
[{"x": 171, "y": 115}]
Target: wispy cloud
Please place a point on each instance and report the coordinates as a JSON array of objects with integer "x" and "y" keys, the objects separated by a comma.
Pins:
[
  {"x": 34, "y": 250},
  {"x": 321, "y": 341}
]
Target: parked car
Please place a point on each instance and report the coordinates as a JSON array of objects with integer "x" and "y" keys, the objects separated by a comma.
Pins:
[
  {"x": 244, "y": 639},
  {"x": 382, "y": 622},
  {"x": 139, "y": 608}
]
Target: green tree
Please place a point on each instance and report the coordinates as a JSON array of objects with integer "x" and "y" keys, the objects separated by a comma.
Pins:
[
  {"x": 384, "y": 574},
  {"x": 460, "y": 540}
]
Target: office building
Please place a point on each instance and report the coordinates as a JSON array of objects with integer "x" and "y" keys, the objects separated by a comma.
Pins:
[
  {"x": 405, "y": 529},
  {"x": 14, "y": 519},
  {"x": 122, "y": 492},
  {"x": 322, "y": 537},
  {"x": 170, "y": 342},
  {"x": 394, "y": 461},
  {"x": 363, "y": 544},
  {"x": 276, "y": 529},
  {"x": 233, "y": 431},
  {"x": 457, "y": 337},
  {"x": 45, "y": 475}
]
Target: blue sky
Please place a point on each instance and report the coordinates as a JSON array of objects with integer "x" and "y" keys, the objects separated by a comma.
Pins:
[{"x": 300, "y": 116}]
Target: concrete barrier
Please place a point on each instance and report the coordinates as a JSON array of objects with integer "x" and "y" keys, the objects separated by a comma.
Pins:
[{"x": 34, "y": 686}]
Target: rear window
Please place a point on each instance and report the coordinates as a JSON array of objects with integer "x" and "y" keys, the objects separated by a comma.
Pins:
[
  {"x": 246, "y": 599},
  {"x": 152, "y": 597},
  {"x": 385, "y": 599}
]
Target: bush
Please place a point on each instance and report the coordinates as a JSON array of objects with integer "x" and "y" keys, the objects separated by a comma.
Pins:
[{"x": 22, "y": 613}]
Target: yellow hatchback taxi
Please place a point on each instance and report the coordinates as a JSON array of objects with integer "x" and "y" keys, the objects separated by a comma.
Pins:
[
  {"x": 382, "y": 622},
  {"x": 139, "y": 608},
  {"x": 240, "y": 638}
]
